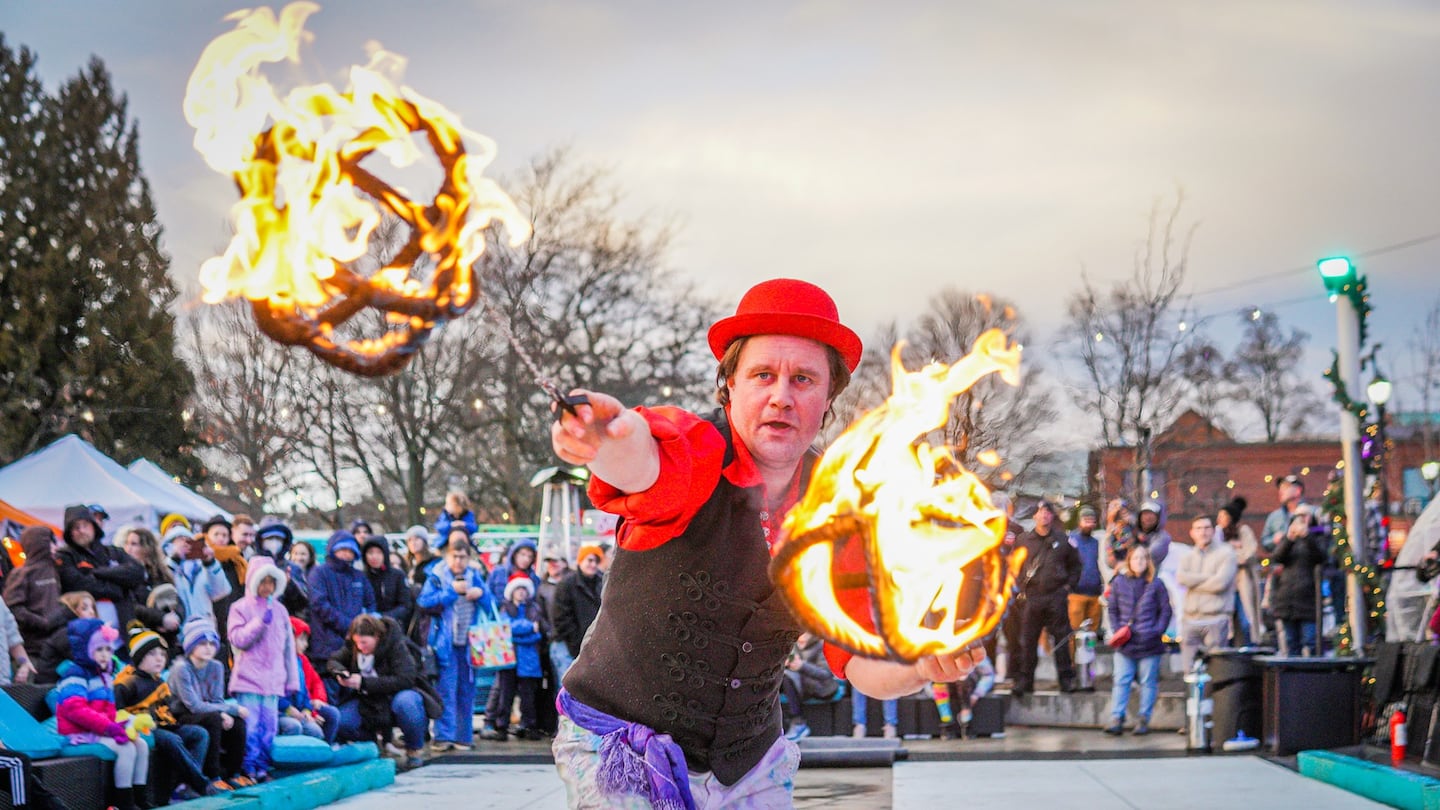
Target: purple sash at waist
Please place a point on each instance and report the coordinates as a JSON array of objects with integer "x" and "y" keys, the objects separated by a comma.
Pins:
[{"x": 635, "y": 760}]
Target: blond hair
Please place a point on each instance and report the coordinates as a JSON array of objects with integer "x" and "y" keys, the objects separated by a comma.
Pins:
[{"x": 76, "y": 599}]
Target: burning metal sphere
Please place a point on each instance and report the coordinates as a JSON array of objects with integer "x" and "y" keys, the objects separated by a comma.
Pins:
[{"x": 308, "y": 208}]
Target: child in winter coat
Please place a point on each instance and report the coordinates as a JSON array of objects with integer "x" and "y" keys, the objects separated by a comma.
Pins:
[
  {"x": 86, "y": 709},
  {"x": 455, "y": 515},
  {"x": 197, "y": 684},
  {"x": 460, "y": 592},
  {"x": 265, "y": 670},
  {"x": 179, "y": 750},
  {"x": 524, "y": 678},
  {"x": 307, "y": 710}
]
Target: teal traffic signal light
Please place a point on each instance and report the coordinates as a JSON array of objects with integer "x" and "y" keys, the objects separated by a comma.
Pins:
[{"x": 1338, "y": 272}]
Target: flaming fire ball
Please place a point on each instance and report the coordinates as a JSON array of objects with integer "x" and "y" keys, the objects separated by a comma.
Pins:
[
  {"x": 921, "y": 518},
  {"x": 308, "y": 207}
]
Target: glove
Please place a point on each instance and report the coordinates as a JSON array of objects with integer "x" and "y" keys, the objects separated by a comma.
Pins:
[
  {"x": 117, "y": 732},
  {"x": 268, "y": 615}
]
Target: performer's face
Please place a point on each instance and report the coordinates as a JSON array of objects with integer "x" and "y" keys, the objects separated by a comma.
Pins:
[{"x": 778, "y": 398}]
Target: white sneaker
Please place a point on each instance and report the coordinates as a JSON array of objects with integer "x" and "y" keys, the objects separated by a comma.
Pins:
[
  {"x": 889, "y": 732},
  {"x": 858, "y": 732}
]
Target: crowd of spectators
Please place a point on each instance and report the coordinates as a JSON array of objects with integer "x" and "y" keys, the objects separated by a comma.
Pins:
[{"x": 226, "y": 635}]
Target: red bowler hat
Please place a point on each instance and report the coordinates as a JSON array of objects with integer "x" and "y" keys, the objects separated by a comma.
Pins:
[{"x": 787, "y": 306}]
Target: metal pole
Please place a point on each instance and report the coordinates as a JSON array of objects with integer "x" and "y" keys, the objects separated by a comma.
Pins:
[
  {"x": 1384, "y": 470},
  {"x": 1348, "y": 339}
]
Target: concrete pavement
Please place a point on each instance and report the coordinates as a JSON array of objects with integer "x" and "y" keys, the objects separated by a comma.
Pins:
[{"x": 1180, "y": 783}]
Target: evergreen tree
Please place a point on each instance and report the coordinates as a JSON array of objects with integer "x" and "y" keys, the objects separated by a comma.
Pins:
[{"x": 95, "y": 343}]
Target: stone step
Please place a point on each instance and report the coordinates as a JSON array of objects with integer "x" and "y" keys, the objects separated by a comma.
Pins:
[
  {"x": 1047, "y": 707},
  {"x": 1089, "y": 709}
]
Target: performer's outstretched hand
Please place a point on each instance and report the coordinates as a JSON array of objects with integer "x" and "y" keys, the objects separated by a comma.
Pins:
[
  {"x": 950, "y": 668},
  {"x": 577, "y": 437},
  {"x": 615, "y": 443},
  {"x": 884, "y": 680}
]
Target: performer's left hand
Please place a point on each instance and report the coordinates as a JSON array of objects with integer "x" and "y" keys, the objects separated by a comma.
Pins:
[{"x": 950, "y": 668}]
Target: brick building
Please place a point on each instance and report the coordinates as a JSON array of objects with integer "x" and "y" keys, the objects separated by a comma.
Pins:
[{"x": 1196, "y": 468}]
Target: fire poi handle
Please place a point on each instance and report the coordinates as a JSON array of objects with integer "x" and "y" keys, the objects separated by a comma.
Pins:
[{"x": 563, "y": 402}]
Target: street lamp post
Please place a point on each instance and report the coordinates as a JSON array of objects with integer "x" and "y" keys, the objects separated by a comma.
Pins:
[
  {"x": 1339, "y": 275},
  {"x": 1379, "y": 392},
  {"x": 1430, "y": 471}
]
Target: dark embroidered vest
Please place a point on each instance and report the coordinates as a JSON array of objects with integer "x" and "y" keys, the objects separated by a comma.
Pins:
[{"x": 691, "y": 638}]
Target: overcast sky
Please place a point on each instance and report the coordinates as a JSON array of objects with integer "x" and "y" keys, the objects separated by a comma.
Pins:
[{"x": 885, "y": 150}]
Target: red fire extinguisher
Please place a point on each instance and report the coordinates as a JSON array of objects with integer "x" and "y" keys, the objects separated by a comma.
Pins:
[{"x": 1398, "y": 735}]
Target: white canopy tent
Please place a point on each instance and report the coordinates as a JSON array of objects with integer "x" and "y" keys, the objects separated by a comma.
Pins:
[
  {"x": 1406, "y": 595},
  {"x": 70, "y": 471},
  {"x": 155, "y": 474}
]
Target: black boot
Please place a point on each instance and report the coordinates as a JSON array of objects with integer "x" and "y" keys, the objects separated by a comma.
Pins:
[{"x": 125, "y": 799}]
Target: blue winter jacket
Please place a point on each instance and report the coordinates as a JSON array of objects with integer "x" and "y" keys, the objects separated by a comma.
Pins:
[
  {"x": 1091, "y": 583},
  {"x": 439, "y": 593},
  {"x": 500, "y": 577},
  {"x": 338, "y": 593},
  {"x": 1145, "y": 606},
  {"x": 447, "y": 521},
  {"x": 525, "y": 632}
]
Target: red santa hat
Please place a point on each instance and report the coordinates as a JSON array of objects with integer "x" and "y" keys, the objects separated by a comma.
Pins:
[{"x": 518, "y": 580}]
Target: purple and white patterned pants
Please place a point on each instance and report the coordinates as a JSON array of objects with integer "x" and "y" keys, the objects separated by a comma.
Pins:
[{"x": 768, "y": 786}]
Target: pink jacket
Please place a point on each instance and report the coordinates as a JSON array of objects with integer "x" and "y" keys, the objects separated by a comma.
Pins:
[{"x": 264, "y": 651}]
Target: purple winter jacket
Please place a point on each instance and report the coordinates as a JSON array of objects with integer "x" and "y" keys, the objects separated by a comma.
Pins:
[
  {"x": 1145, "y": 606},
  {"x": 264, "y": 652}
]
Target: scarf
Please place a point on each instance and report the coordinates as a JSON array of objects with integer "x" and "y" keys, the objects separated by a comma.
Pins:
[
  {"x": 231, "y": 555},
  {"x": 635, "y": 760}
]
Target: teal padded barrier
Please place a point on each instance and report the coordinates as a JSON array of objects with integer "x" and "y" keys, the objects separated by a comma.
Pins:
[
  {"x": 296, "y": 758},
  {"x": 303, "y": 791},
  {"x": 67, "y": 749},
  {"x": 24, "y": 733},
  {"x": 299, "y": 752},
  {"x": 1382, "y": 783}
]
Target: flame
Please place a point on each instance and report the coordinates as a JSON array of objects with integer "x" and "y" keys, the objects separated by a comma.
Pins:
[
  {"x": 307, "y": 206},
  {"x": 922, "y": 518}
]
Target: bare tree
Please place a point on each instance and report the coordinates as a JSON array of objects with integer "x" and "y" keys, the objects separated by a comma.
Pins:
[
  {"x": 1130, "y": 339},
  {"x": 1425, "y": 363},
  {"x": 590, "y": 301},
  {"x": 242, "y": 407},
  {"x": 1203, "y": 369},
  {"x": 991, "y": 416},
  {"x": 322, "y": 397},
  {"x": 1263, "y": 374}
]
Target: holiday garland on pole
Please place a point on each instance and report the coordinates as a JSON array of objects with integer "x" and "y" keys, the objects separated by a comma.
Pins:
[
  {"x": 1368, "y": 575},
  {"x": 1334, "y": 502}
]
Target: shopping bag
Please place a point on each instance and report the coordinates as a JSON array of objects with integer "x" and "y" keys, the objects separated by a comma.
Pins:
[{"x": 491, "y": 647}]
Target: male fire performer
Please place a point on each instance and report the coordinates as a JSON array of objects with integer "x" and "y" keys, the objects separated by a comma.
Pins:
[{"x": 672, "y": 700}]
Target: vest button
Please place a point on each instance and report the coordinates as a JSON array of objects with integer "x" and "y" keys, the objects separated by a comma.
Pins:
[
  {"x": 734, "y": 683},
  {"x": 747, "y": 647}
]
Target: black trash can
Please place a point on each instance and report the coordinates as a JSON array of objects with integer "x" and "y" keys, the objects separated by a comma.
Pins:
[
  {"x": 1237, "y": 691},
  {"x": 1311, "y": 702}
]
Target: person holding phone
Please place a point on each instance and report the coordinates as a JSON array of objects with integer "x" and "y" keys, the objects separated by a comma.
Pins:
[{"x": 199, "y": 579}]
